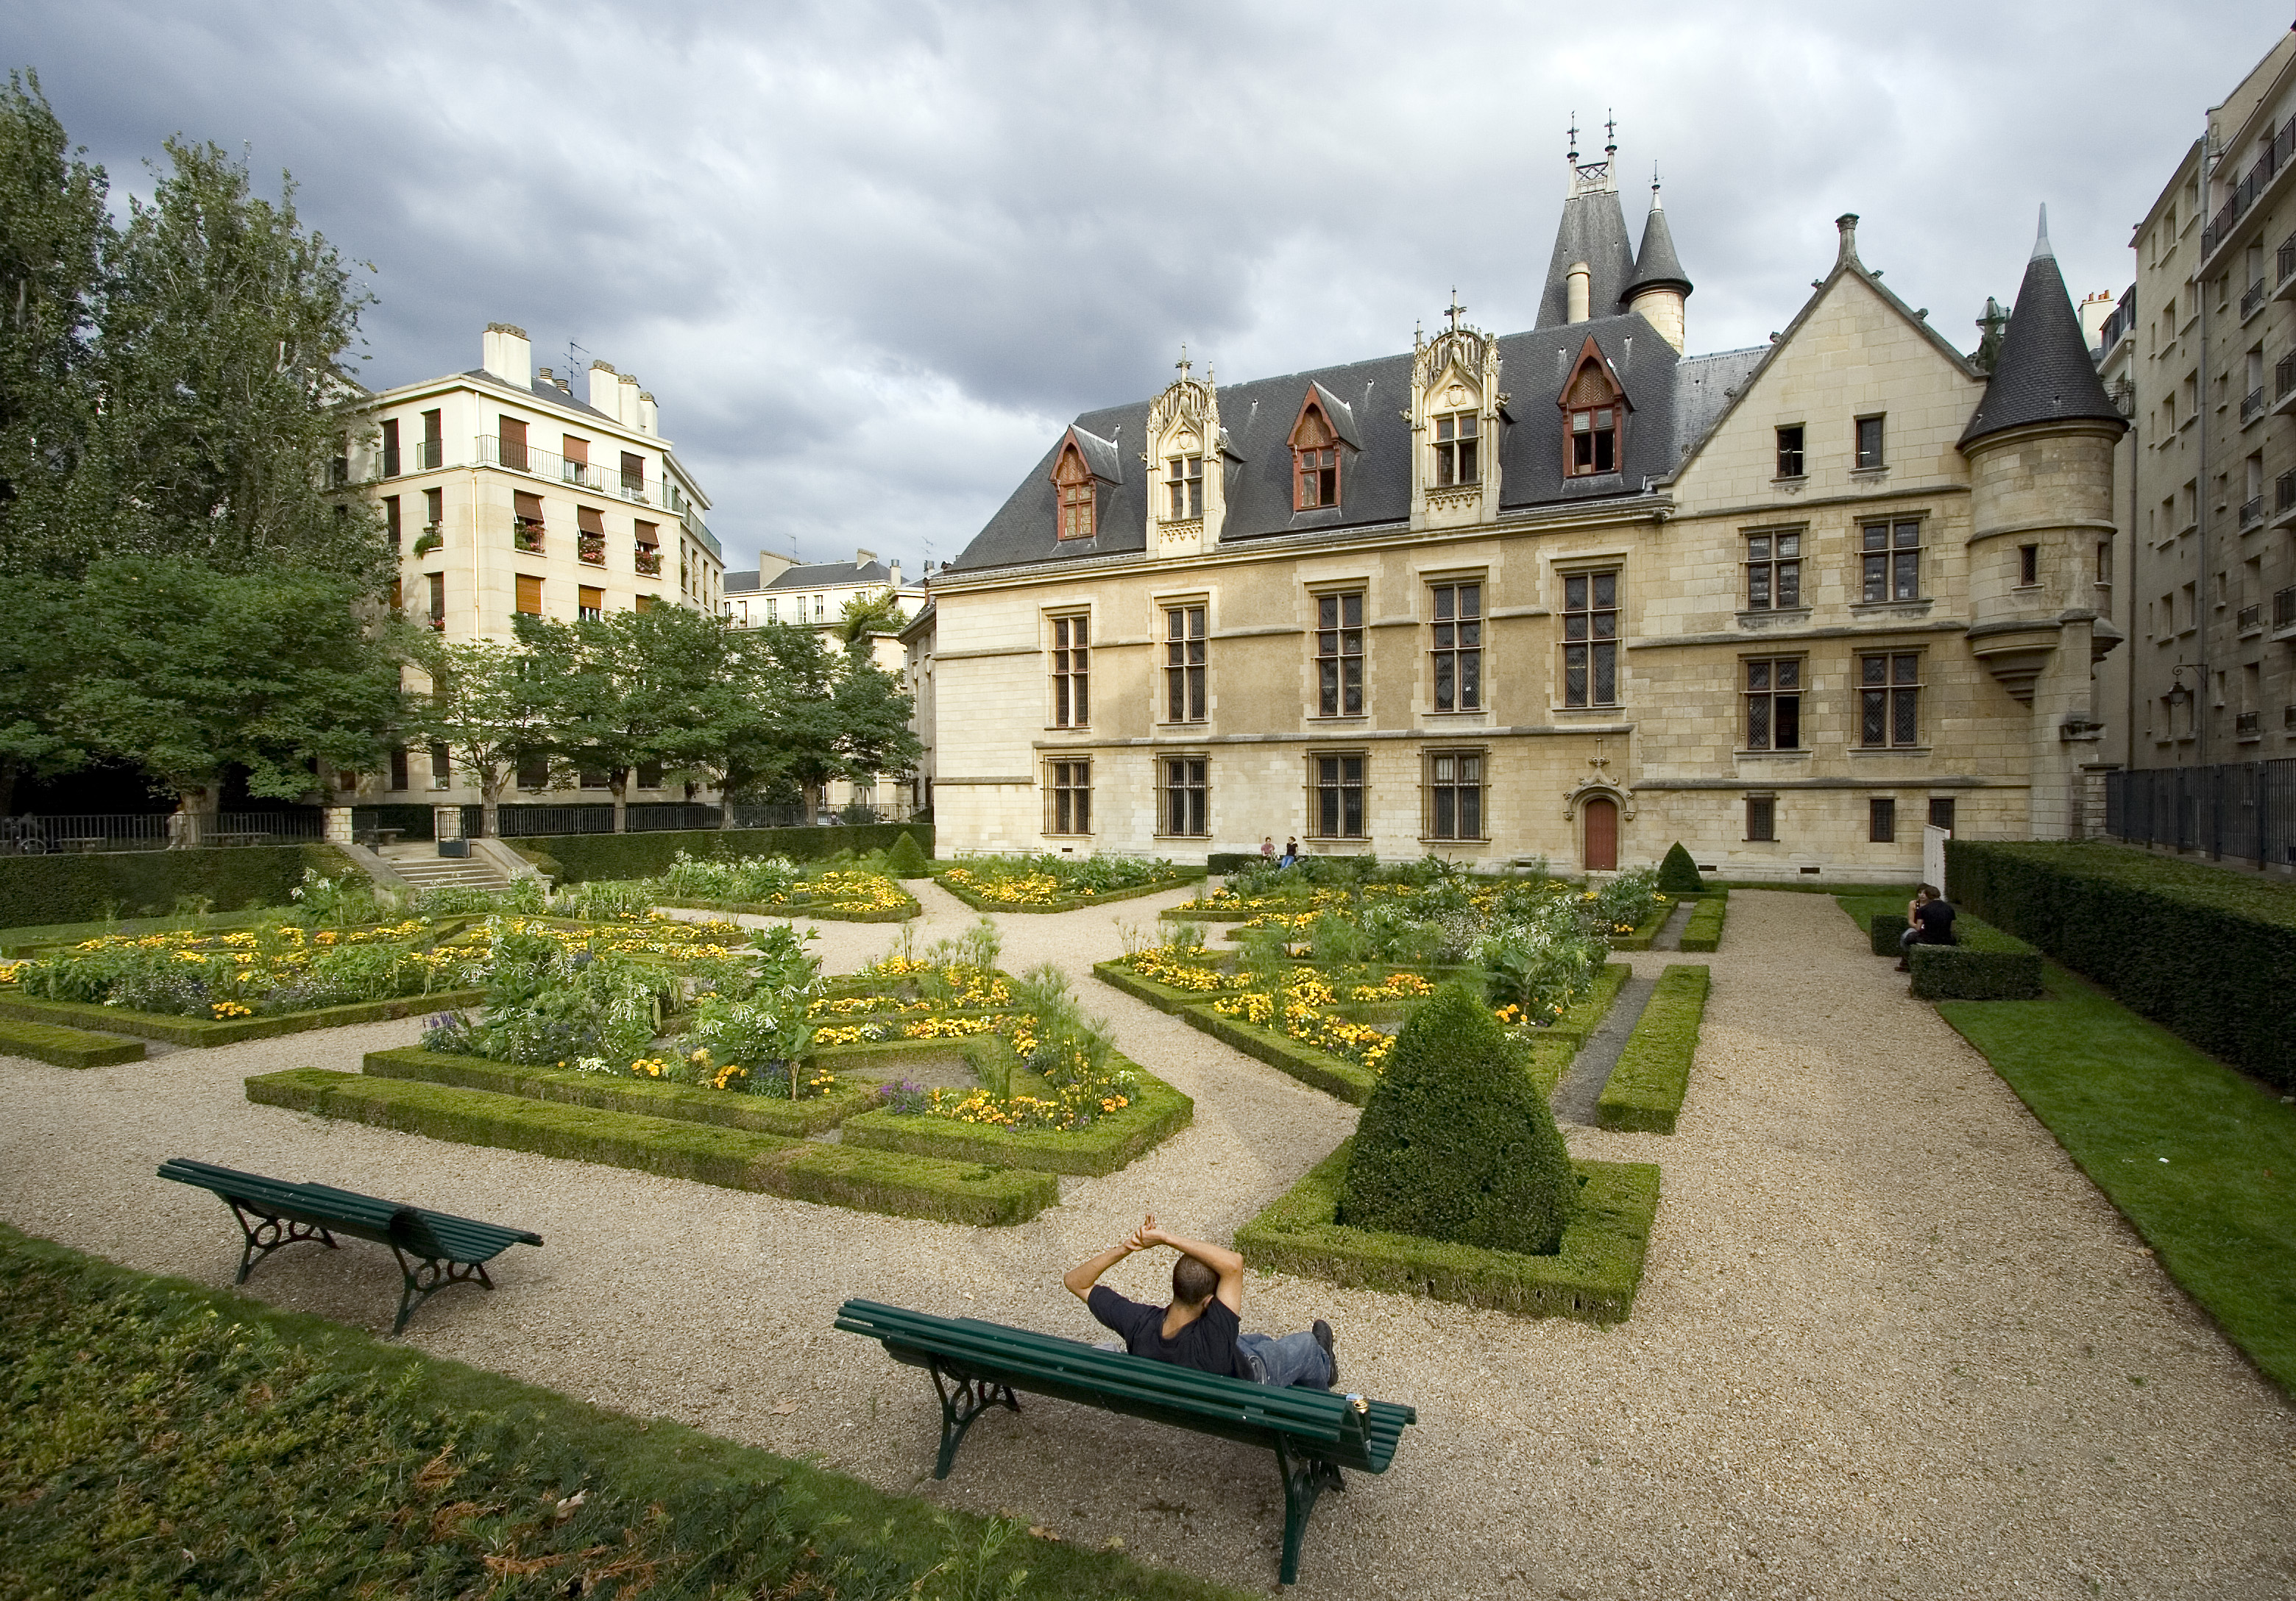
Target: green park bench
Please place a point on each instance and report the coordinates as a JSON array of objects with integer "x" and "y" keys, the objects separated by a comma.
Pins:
[
  {"x": 435, "y": 1249},
  {"x": 976, "y": 1365}
]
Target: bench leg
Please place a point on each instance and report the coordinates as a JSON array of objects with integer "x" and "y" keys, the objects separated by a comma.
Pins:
[
  {"x": 425, "y": 1276},
  {"x": 266, "y": 1234},
  {"x": 964, "y": 1399},
  {"x": 1304, "y": 1479}
]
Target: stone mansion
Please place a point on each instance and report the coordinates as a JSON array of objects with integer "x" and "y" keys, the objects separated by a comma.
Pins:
[{"x": 1571, "y": 593}]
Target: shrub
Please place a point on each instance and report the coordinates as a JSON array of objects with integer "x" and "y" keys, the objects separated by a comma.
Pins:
[
  {"x": 1646, "y": 1088},
  {"x": 1457, "y": 1144},
  {"x": 1224, "y": 862},
  {"x": 573, "y": 858},
  {"x": 1704, "y": 931},
  {"x": 85, "y": 888},
  {"x": 1986, "y": 965},
  {"x": 1678, "y": 874},
  {"x": 905, "y": 861}
]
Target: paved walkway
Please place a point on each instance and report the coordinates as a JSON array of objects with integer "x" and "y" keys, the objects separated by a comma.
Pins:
[{"x": 1889, "y": 1343}]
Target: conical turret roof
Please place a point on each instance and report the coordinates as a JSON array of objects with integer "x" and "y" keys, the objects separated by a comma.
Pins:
[
  {"x": 1656, "y": 266},
  {"x": 1593, "y": 230},
  {"x": 2045, "y": 372}
]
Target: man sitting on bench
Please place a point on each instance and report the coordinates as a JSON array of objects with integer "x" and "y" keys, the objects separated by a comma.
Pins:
[{"x": 1202, "y": 1328}]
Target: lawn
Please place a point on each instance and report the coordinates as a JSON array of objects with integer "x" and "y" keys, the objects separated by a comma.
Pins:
[
  {"x": 2200, "y": 1158},
  {"x": 161, "y": 1439}
]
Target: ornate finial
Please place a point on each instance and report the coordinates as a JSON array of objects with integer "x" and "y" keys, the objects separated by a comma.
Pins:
[
  {"x": 1455, "y": 309},
  {"x": 1611, "y": 131},
  {"x": 1574, "y": 139},
  {"x": 1182, "y": 365}
]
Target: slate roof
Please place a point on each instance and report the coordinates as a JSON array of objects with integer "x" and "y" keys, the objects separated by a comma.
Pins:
[
  {"x": 830, "y": 574},
  {"x": 1656, "y": 264},
  {"x": 1375, "y": 477},
  {"x": 2045, "y": 372},
  {"x": 543, "y": 389},
  {"x": 1593, "y": 230}
]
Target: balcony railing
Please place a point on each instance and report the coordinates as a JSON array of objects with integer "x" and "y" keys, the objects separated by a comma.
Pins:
[
  {"x": 2243, "y": 724},
  {"x": 2273, "y": 156},
  {"x": 428, "y": 454},
  {"x": 592, "y": 549},
  {"x": 2250, "y": 618},
  {"x": 2252, "y": 511},
  {"x": 2284, "y": 608},
  {"x": 549, "y": 464},
  {"x": 2253, "y": 301},
  {"x": 2251, "y": 405},
  {"x": 390, "y": 460}
]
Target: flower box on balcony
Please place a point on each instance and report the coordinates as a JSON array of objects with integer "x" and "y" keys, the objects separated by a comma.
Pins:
[
  {"x": 649, "y": 562},
  {"x": 592, "y": 551},
  {"x": 527, "y": 537},
  {"x": 429, "y": 541}
]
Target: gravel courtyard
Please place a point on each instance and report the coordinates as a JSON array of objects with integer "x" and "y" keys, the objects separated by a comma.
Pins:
[{"x": 1891, "y": 1343}]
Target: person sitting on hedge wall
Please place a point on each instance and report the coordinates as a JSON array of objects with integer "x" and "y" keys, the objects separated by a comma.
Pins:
[
  {"x": 1928, "y": 921},
  {"x": 1202, "y": 1328}
]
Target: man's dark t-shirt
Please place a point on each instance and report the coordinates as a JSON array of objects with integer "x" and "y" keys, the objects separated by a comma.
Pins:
[
  {"x": 1207, "y": 1344},
  {"x": 1937, "y": 923}
]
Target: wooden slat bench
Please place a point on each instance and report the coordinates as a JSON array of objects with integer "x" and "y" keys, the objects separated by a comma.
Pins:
[
  {"x": 976, "y": 1365},
  {"x": 435, "y": 1249}
]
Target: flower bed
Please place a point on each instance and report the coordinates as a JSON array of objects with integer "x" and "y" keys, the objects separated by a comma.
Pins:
[
  {"x": 1152, "y": 1112},
  {"x": 1046, "y": 884},
  {"x": 761, "y": 885},
  {"x": 1594, "y": 1278},
  {"x": 652, "y": 1098}
]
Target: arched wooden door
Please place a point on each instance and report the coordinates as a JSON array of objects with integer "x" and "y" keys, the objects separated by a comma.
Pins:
[{"x": 1600, "y": 815}]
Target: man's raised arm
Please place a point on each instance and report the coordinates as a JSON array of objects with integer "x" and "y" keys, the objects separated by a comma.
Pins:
[
  {"x": 1221, "y": 1260},
  {"x": 1080, "y": 1279}
]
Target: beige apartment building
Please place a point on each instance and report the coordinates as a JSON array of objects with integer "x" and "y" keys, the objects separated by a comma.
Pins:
[
  {"x": 506, "y": 491},
  {"x": 2205, "y": 351},
  {"x": 1572, "y": 593}
]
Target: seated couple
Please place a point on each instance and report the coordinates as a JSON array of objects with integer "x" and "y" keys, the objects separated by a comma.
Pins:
[{"x": 1202, "y": 1328}]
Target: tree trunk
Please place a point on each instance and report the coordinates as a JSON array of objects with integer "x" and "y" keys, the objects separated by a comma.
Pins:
[
  {"x": 619, "y": 784},
  {"x": 725, "y": 806},
  {"x": 194, "y": 820},
  {"x": 490, "y": 798}
]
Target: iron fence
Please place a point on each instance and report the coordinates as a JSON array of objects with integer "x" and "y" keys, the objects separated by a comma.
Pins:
[
  {"x": 2243, "y": 810},
  {"x": 112, "y": 831}
]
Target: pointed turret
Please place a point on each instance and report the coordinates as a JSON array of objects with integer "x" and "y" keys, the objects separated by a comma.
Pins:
[
  {"x": 1659, "y": 286},
  {"x": 2044, "y": 373},
  {"x": 1591, "y": 238}
]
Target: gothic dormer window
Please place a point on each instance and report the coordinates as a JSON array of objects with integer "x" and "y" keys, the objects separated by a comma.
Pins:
[
  {"x": 1073, "y": 480},
  {"x": 1184, "y": 487},
  {"x": 1456, "y": 453},
  {"x": 1594, "y": 417},
  {"x": 1314, "y": 460}
]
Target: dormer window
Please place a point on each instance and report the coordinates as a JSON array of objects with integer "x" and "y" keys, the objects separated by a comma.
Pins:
[
  {"x": 1454, "y": 448},
  {"x": 1314, "y": 460},
  {"x": 1593, "y": 414},
  {"x": 1073, "y": 481},
  {"x": 1184, "y": 487}
]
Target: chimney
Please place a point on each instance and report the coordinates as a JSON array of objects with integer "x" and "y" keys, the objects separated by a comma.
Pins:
[
  {"x": 625, "y": 400},
  {"x": 1846, "y": 225},
  {"x": 864, "y": 557},
  {"x": 505, "y": 352},
  {"x": 1581, "y": 276},
  {"x": 649, "y": 417},
  {"x": 895, "y": 568},
  {"x": 605, "y": 386}
]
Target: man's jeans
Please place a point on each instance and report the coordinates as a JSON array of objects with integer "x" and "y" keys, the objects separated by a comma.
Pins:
[{"x": 1294, "y": 1360}]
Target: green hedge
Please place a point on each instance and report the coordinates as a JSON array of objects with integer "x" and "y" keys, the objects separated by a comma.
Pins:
[
  {"x": 1593, "y": 1279},
  {"x": 1704, "y": 931},
  {"x": 1986, "y": 965},
  {"x": 1119, "y": 1139},
  {"x": 688, "y": 1103},
  {"x": 130, "y": 883},
  {"x": 1645, "y": 1089},
  {"x": 2206, "y": 952},
  {"x": 203, "y": 1034},
  {"x": 1641, "y": 938},
  {"x": 1584, "y": 1017},
  {"x": 1223, "y": 862},
  {"x": 799, "y": 1170},
  {"x": 819, "y": 914},
  {"x": 1186, "y": 875},
  {"x": 1351, "y": 1081},
  {"x": 576, "y": 858},
  {"x": 66, "y": 1047}
]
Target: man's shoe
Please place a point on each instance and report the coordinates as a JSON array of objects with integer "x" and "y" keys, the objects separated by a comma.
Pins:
[
  {"x": 1323, "y": 1333},
  {"x": 1905, "y": 967}
]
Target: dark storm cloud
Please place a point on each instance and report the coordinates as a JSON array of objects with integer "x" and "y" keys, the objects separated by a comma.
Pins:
[{"x": 869, "y": 255}]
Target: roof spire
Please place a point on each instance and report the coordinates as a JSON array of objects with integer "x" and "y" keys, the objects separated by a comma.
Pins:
[
  {"x": 1573, "y": 157},
  {"x": 1656, "y": 204},
  {"x": 1455, "y": 310},
  {"x": 2042, "y": 368},
  {"x": 1611, "y": 131},
  {"x": 2041, "y": 246},
  {"x": 1184, "y": 366}
]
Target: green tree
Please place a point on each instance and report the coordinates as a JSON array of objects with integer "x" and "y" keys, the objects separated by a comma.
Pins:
[
  {"x": 490, "y": 706},
  {"x": 1457, "y": 1143},
  {"x": 802, "y": 720},
  {"x": 39, "y": 661},
  {"x": 186, "y": 671},
  {"x": 870, "y": 612},
  {"x": 1678, "y": 874},
  {"x": 870, "y": 713}
]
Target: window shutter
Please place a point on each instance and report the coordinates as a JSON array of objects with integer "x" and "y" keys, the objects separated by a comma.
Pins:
[
  {"x": 577, "y": 451},
  {"x": 530, "y": 595},
  {"x": 633, "y": 471},
  {"x": 649, "y": 536},
  {"x": 590, "y": 520},
  {"x": 529, "y": 506},
  {"x": 592, "y": 600}
]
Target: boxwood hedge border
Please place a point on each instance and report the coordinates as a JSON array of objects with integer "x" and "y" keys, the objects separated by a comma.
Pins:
[
  {"x": 1702, "y": 931},
  {"x": 1593, "y": 1279},
  {"x": 819, "y": 914},
  {"x": 798, "y": 1170},
  {"x": 67, "y": 1047},
  {"x": 1986, "y": 965},
  {"x": 688, "y": 1103},
  {"x": 1179, "y": 876},
  {"x": 202, "y": 1035},
  {"x": 130, "y": 883},
  {"x": 1645, "y": 1089},
  {"x": 578, "y": 858},
  {"x": 1115, "y": 1142}
]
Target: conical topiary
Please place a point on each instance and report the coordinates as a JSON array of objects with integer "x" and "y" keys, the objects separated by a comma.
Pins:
[
  {"x": 1677, "y": 875},
  {"x": 905, "y": 861},
  {"x": 1457, "y": 1143}
]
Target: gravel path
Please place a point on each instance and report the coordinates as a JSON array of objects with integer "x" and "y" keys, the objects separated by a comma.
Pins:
[{"x": 1890, "y": 1342}]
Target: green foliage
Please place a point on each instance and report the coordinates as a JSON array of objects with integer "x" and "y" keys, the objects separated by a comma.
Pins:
[
  {"x": 1678, "y": 874},
  {"x": 1456, "y": 1145},
  {"x": 905, "y": 861},
  {"x": 1540, "y": 961},
  {"x": 1704, "y": 930},
  {"x": 47, "y": 889},
  {"x": 1652, "y": 1074},
  {"x": 650, "y": 1097},
  {"x": 488, "y": 707},
  {"x": 581, "y": 857},
  {"x": 1110, "y": 1143},
  {"x": 1985, "y": 965},
  {"x": 294, "y": 1458},
  {"x": 2187, "y": 1149},
  {"x": 1592, "y": 1277},
  {"x": 66, "y": 1047},
  {"x": 2209, "y": 953}
]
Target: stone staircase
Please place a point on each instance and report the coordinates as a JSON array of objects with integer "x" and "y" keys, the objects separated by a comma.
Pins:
[{"x": 422, "y": 866}]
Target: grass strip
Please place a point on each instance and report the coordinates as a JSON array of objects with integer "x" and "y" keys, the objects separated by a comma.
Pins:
[
  {"x": 1118, "y": 1139},
  {"x": 66, "y": 1047},
  {"x": 203, "y": 1035},
  {"x": 1594, "y": 1278},
  {"x": 979, "y": 903},
  {"x": 2200, "y": 1158},
  {"x": 1703, "y": 930},
  {"x": 1646, "y": 1090},
  {"x": 688, "y": 1103},
  {"x": 159, "y": 1439},
  {"x": 731, "y": 1158}
]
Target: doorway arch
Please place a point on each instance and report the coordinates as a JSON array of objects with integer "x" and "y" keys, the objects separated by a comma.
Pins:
[{"x": 1598, "y": 816}]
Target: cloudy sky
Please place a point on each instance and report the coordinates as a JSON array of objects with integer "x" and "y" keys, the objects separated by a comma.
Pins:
[{"x": 868, "y": 256}]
